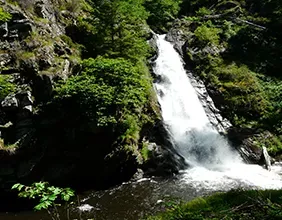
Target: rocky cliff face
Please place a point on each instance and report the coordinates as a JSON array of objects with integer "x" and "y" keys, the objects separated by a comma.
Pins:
[{"x": 35, "y": 54}]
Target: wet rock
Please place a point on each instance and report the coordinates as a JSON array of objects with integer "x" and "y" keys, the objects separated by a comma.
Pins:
[
  {"x": 85, "y": 208},
  {"x": 178, "y": 35},
  {"x": 247, "y": 142},
  {"x": 42, "y": 87},
  {"x": 10, "y": 102},
  {"x": 24, "y": 169},
  {"x": 4, "y": 30},
  {"x": 45, "y": 10},
  {"x": 66, "y": 70},
  {"x": 215, "y": 118},
  {"x": 19, "y": 26},
  {"x": 266, "y": 158},
  {"x": 25, "y": 98},
  {"x": 46, "y": 57},
  {"x": 153, "y": 43},
  {"x": 29, "y": 67},
  {"x": 175, "y": 37},
  {"x": 5, "y": 58},
  {"x": 163, "y": 160},
  {"x": 138, "y": 175}
]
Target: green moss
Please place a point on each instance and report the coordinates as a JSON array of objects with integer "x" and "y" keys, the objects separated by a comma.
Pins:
[
  {"x": 41, "y": 20},
  {"x": 231, "y": 205},
  {"x": 13, "y": 2},
  {"x": 6, "y": 86},
  {"x": 145, "y": 151},
  {"x": 73, "y": 6},
  {"x": 272, "y": 143},
  {"x": 39, "y": 40},
  {"x": 25, "y": 55},
  {"x": 76, "y": 48},
  {"x": 1, "y": 143},
  {"x": 4, "y": 16}
]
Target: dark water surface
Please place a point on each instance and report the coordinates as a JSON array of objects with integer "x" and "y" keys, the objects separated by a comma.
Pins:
[
  {"x": 134, "y": 200},
  {"x": 130, "y": 201}
]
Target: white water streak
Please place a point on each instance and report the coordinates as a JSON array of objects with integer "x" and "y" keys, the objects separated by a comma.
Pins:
[{"x": 213, "y": 164}]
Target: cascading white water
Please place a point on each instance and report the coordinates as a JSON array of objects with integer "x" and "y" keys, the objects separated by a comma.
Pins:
[{"x": 212, "y": 162}]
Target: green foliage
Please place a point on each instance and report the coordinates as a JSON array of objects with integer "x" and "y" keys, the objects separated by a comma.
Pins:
[
  {"x": 272, "y": 143},
  {"x": 188, "y": 7},
  {"x": 145, "y": 151},
  {"x": 241, "y": 90},
  {"x": 25, "y": 55},
  {"x": 203, "y": 11},
  {"x": 231, "y": 205},
  {"x": 110, "y": 93},
  {"x": 239, "y": 59},
  {"x": 4, "y": 16},
  {"x": 229, "y": 29},
  {"x": 6, "y": 86},
  {"x": 207, "y": 35},
  {"x": 50, "y": 197},
  {"x": 273, "y": 89},
  {"x": 115, "y": 29},
  {"x": 161, "y": 13}
]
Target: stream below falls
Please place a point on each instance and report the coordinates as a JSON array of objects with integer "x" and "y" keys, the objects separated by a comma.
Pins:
[{"x": 134, "y": 200}]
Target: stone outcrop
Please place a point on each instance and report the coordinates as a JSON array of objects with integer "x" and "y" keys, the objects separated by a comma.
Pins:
[
  {"x": 248, "y": 142},
  {"x": 163, "y": 158},
  {"x": 33, "y": 55},
  {"x": 29, "y": 56},
  {"x": 35, "y": 143}
]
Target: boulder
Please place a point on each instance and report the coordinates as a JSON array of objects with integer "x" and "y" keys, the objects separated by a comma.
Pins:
[
  {"x": 247, "y": 142},
  {"x": 10, "y": 102}
]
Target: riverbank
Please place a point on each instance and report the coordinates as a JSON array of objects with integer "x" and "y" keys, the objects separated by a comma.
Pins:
[{"x": 253, "y": 204}]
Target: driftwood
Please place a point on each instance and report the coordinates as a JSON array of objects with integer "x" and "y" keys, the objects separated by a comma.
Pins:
[{"x": 250, "y": 23}]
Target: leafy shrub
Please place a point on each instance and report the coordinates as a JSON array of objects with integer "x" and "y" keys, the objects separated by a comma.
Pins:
[
  {"x": 4, "y": 16},
  {"x": 229, "y": 29},
  {"x": 6, "y": 86},
  {"x": 161, "y": 12},
  {"x": 50, "y": 197},
  {"x": 203, "y": 11},
  {"x": 241, "y": 90},
  {"x": 208, "y": 35},
  {"x": 110, "y": 93}
]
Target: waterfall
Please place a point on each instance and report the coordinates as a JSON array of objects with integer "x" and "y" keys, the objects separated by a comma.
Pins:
[
  {"x": 209, "y": 157},
  {"x": 194, "y": 137}
]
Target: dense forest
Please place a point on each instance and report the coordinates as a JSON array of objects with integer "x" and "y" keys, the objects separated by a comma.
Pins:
[
  {"x": 76, "y": 82},
  {"x": 243, "y": 63}
]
